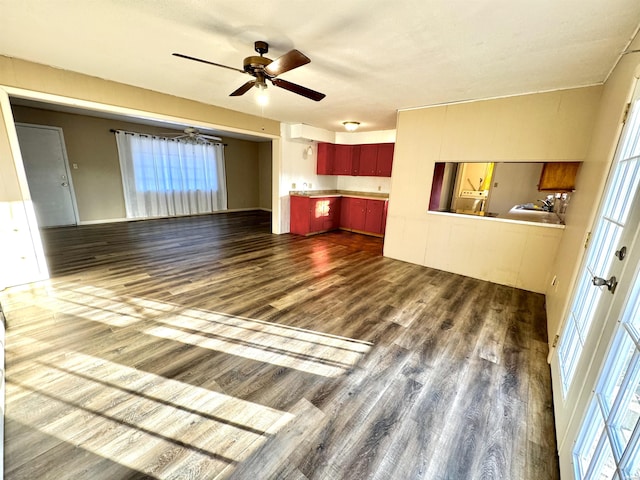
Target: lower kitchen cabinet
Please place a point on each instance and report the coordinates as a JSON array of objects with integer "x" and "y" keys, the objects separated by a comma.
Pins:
[
  {"x": 311, "y": 215},
  {"x": 373, "y": 220},
  {"x": 314, "y": 214}
]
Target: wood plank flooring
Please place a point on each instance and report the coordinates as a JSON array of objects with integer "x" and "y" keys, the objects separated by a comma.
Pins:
[{"x": 205, "y": 347}]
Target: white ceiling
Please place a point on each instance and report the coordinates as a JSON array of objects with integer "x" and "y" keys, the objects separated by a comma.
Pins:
[{"x": 371, "y": 57}]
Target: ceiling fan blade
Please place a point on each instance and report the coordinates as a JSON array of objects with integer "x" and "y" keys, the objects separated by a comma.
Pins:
[
  {"x": 299, "y": 89},
  {"x": 207, "y": 62},
  {"x": 243, "y": 89},
  {"x": 286, "y": 62}
]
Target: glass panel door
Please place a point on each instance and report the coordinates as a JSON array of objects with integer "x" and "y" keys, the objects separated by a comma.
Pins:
[
  {"x": 598, "y": 287},
  {"x": 608, "y": 440}
]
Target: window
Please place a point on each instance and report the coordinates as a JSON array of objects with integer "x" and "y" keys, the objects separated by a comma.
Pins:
[{"x": 164, "y": 177}]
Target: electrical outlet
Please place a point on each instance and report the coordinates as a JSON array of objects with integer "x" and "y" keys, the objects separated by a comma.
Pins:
[
  {"x": 309, "y": 186},
  {"x": 293, "y": 186},
  {"x": 75, "y": 166},
  {"x": 379, "y": 188}
]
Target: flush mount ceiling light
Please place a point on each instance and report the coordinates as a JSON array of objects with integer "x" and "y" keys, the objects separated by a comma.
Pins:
[{"x": 351, "y": 126}]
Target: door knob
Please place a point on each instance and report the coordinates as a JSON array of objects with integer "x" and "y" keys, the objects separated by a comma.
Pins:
[
  {"x": 64, "y": 184},
  {"x": 611, "y": 284}
]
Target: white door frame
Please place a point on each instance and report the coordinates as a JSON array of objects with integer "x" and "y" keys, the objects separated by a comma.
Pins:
[
  {"x": 575, "y": 403},
  {"x": 74, "y": 205}
]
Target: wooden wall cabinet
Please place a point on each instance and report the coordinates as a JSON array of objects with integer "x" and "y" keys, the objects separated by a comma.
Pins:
[
  {"x": 326, "y": 159},
  {"x": 558, "y": 177},
  {"x": 371, "y": 160}
]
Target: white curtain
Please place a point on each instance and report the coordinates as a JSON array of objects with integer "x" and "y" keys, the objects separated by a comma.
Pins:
[{"x": 163, "y": 177}]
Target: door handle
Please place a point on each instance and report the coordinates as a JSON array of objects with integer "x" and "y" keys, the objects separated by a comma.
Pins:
[{"x": 611, "y": 284}]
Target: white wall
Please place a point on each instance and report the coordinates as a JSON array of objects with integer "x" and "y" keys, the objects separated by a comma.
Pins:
[
  {"x": 298, "y": 168},
  {"x": 517, "y": 184}
]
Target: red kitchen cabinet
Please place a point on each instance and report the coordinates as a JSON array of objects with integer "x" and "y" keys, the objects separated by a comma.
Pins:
[
  {"x": 373, "y": 219},
  {"x": 326, "y": 159},
  {"x": 384, "y": 160},
  {"x": 343, "y": 160},
  {"x": 368, "y": 165},
  {"x": 300, "y": 214},
  {"x": 314, "y": 214},
  {"x": 345, "y": 213},
  {"x": 372, "y": 160},
  {"x": 355, "y": 160},
  {"x": 384, "y": 218},
  {"x": 311, "y": 215},
  {"x": 358, "y": 212}
]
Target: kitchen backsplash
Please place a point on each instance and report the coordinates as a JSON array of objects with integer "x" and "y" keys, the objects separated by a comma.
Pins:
[{"x": 364, "y": 184}]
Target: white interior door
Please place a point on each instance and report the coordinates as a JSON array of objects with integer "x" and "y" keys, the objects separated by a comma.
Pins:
[
  {"x": 45, "y": 163},
  {"x": 609, "y": 258}
]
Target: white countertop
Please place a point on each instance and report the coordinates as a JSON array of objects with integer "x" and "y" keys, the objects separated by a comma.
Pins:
[{"x": 523, "y": 217}]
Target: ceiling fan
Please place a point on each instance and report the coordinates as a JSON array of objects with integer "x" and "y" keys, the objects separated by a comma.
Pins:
[
  {"x": 263, "y": 69},
  {"x": 193, "y": 135}
]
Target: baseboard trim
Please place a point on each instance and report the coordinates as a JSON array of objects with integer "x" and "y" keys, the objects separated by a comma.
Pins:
[{"x": 116, "y": 220}]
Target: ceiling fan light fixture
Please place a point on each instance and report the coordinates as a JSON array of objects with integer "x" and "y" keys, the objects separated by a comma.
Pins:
[
  {"x": 262, "y": 97},
  {"x": 351, "y": 126}
]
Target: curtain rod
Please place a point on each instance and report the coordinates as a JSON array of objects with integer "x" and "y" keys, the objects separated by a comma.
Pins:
[{"x": 126, "y": 132}]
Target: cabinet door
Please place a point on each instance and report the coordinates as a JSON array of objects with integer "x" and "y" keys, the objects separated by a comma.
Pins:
[
  {"x": 368, "y": 165},
  {"x": 358, "y": 214},
  {"x": 559, "y": 176},
  {"x": 325, "y": 214},
  {"x": 384, "y": 217},
  {"x": 335, "y": 207},
  {"x": 343, "y": 160},
  {"x": 345, "y": 213},
  {"x": 355, "y": 160},
  {"x": 373, "y": 220},
  {"x": 299, "y": 221},
  {"x": 326, "y": 158},
  {"x": 385, "y": 159},
  {"x": 319, "y": 214}
]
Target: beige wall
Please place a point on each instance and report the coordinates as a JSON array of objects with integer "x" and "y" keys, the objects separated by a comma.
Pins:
[
  {"x": 265, "y": 169},
  {"x": 49, "y": 80},
  {"x": 548, "y": 126},
  {"x": 242, "y": 173},
  {"x": 97, "y": 181}
]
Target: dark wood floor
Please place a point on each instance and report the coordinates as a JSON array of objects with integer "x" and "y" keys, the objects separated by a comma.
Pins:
[{"x": 206, "y": 347}]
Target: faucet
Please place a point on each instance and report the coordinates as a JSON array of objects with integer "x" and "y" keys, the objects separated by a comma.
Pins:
[{"x": 547, "y": 205}]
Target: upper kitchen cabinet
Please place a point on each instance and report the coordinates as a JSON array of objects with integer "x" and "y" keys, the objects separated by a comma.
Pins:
[
  {"x": 370, "y": 160},
  {"x": 558, "y": 177},
  {"x": 326, "y": 159},
  {"x": 384, "y": 160},
  {"x": 376, "y": 159},
  {"x": 347, "y": 159}
]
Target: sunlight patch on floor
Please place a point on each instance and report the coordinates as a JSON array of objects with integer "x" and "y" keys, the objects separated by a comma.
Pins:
[
  {"x": 119, "y": 412},
  {"x": 305, "y": 350}
]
